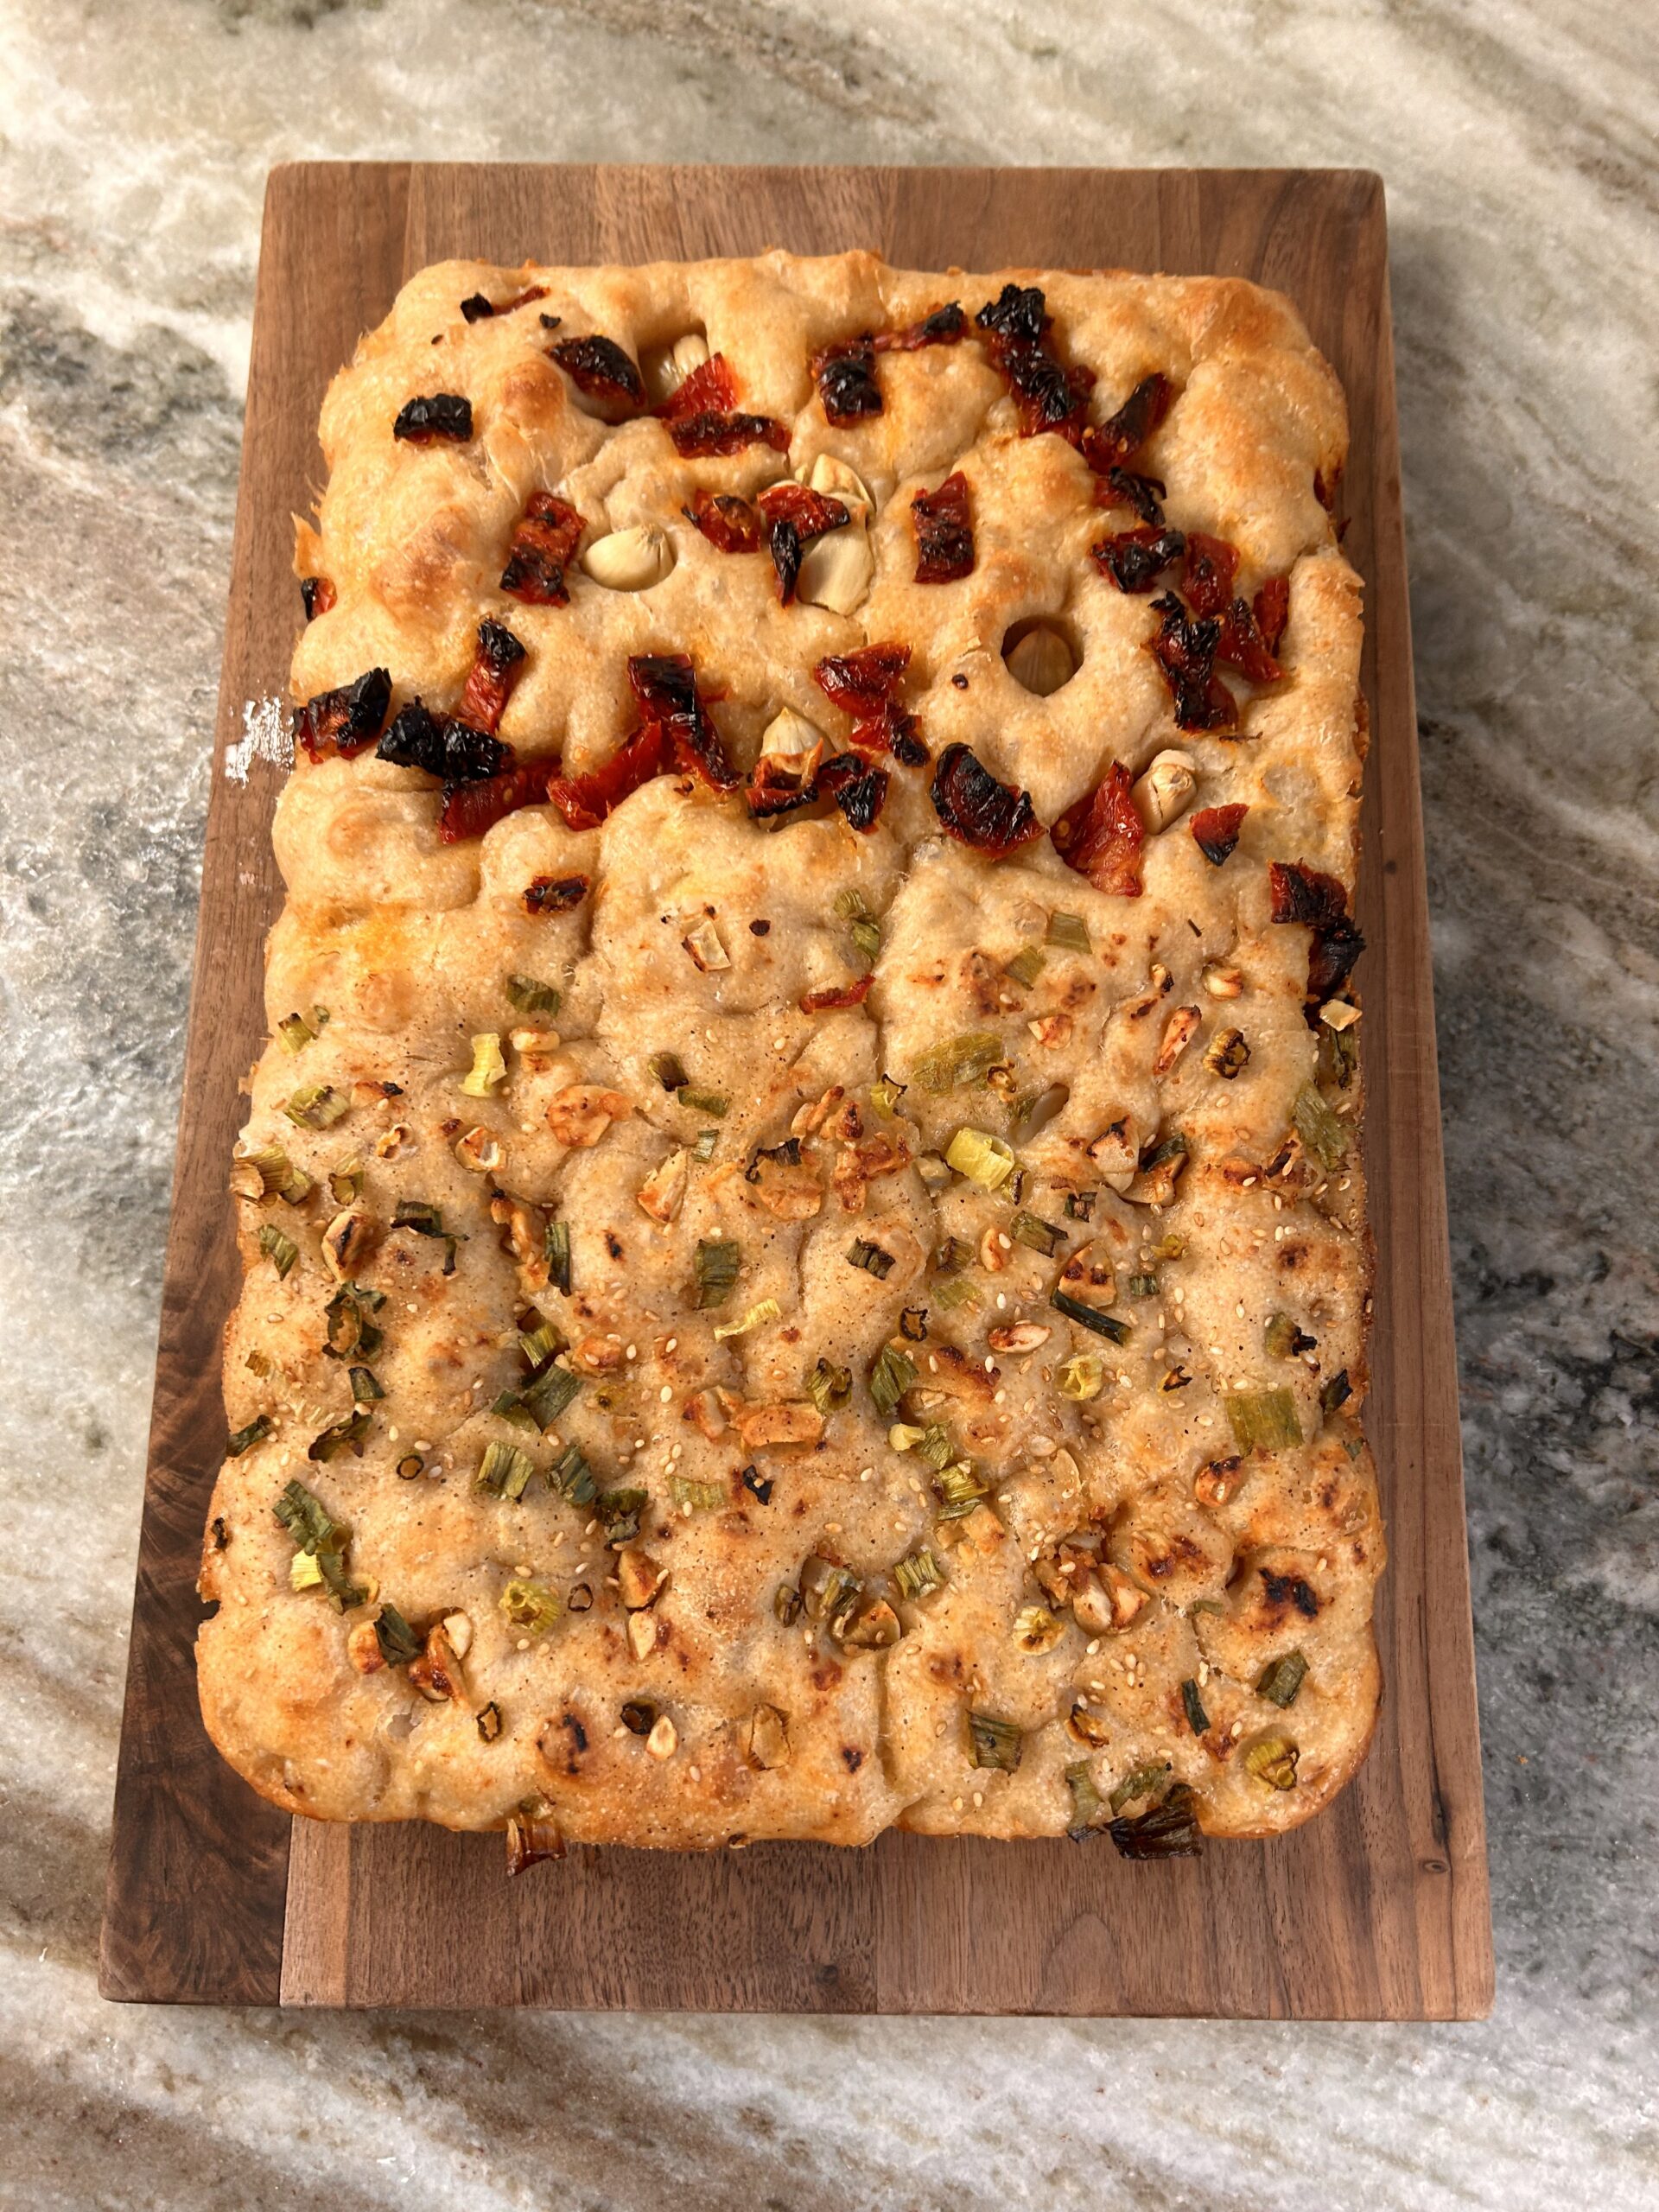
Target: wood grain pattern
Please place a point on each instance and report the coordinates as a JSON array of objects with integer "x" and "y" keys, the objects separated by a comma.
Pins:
[{"x": 1379, "y": 1909}]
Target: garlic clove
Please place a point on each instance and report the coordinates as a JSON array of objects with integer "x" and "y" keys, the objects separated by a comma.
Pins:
[
  {"x": 630, "y": 560},
  {"x": 1041, "y": 661},
  {"x": 837, "y": 569},
  {"x": 789, "y": 733},
  {"x": 666, "y": 369},
  {"x": 1164, "y": 792},
  {"x": 838, "y": 481}
]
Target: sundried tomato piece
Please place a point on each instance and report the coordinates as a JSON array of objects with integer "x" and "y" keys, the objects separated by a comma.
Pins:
[
  {"x": 1101, "y": 836},
  {"x": 480, "y": 309},
  {"x": 945, "y": 325},
  {"x": 555, "y": 894},
  {"x": 1050, "y": 396},
  {"x": 317, "y": 596},
  {"x": 710, "y": 388},
  {"x": 779, "y": 784},
  {"x": 601, "y": 371},
  {"x": 1241, "y": 645},
  {"x": 439, "y": 416},
  {"x": 584, "y": 801},
  {"x": 1134, "y": 559},
  {"x": 344, "y": 720},
  {"x": 665, "y": 684},
  {"x": 714, "y": 435},
  {"x": 1119, "y": 439},
  {"x": 470, "y": 754},
  {"x": 1215, "y": 831},
  {"x": 1185, "y": 651},
  {"x": 415, "y": 739},
  {"x": 470, "y": 809},
  {"x": 795, "y": 516},
  {"x": 845, "y": 376},
  {"x": 945, "y": 531},
  {"x": 840, "y": 994},
  {"x": 542, "y": 547},
  {"x": 497, "y": 665},
  {"x": 1121, "y": 487},
  {"x": 858, "y": 787},
  {"x": 1319, "y": 902},
  {"x": 1018, "y": 315},
  {"x": 728, "y": 523},
  {"x": 1272, "y": 611},
  {"x": 893, "y": 731},
  {"x": 1207, "y": 578},
  {"x": 978, "y": 810},
  {"x": 861, "y": 683}
]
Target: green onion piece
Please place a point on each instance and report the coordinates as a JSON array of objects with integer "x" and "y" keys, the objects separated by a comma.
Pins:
[
  {"x": 1335, "y": 1394},
  {"x": 244, "y": 1439},
  {"x": 504, "y": 1470},
  {"x": 276, "y": 1173},
  {"x": 488, "y": 1068},
  {"x": 1324, "y": 1138},
  {"x": 571, "y": 1476},
  {"x": 1143, "y": 1285},
  {"x": 398, "y": 1641},
  {"x": 764, "y": 1310},
  {"x": 258, "y": 1363},
  {"x": 1040, "y": 1236},
  {"x": 786, "y": 1605},
  {"x": 703, "y": 1151},
  {"x": 489, "y": 1722},
  {"x": 1087, "y": 1804},
  {"x": 892, "y": 1373},
  {"x": 426, "y": 1220},
  {"x": 829, "y": 1387},
  {"x": 952, "y": 1256},
  {"x": 1282, "y": 1339},
  {"x": 980, "y": 1157},
  {"x": 913, "y": 1324},
  {"x": 1197, "y": 1719},
  {"x": 547, "y": 1397},
  {"x": 669, "y": 1069},
  {"x": 1026, "y": 966},
  {"x": 540, "y": 1344},
  {"x": 1262, "y": 1420},
  {"x": 697, "y": 1498},
  {"x": 281, "y": 1252},
  {"x": 918, "y": 1573},
  {"x": 364, "y": 1389},
  {"x": 1070, "y": 930},
  {"x": 619, "y": 1511},
  {"x": 531, "y": 1607},
  {"x": 1141, "y": 1781},
  {"x": 296, "y": 1031},
  {"x": 304, "y": 1572},
  {"x": 1082, "y": 1376},
  {"x": 1281, "y": 1678},
  {"x": 850, "y": 904},
  {"x": 314, "y": 1105},
  {"x": 340, "y": 1436},
  {"x": 1169, "y": 1830},
  {"x": 715, "y": 1265},
  {"x": 871, "y": 1258},
  {"x": 1080, "y": 1204},
  {"x": 993, "y": 1743},
  {"x": 885, "y": 1096},
  {"x": 511, "y": 1408},
  {"x": 961, "y": 1059},
  {"x": 346, "y": 1316},
  {"x": 960, "y": 1489},
  {"x": 1338, "y": 1056},
  {"x": 1273, "y": 1761},
  {"x": 530, "y": 996},
  {"x": 935, "y": 1445},
  {"x": 867, "y": 936},
  {"x": 830, "y": 1594},
  {"x": 556, "y": 1246},
  {"x": 1103, "y": 1324},
  {"x": 346, "y": 1182},
  {"x": 321, "y": 1539},
  {"x": 707, "y": 1102},
  {"x": 957, "y": 1290}
]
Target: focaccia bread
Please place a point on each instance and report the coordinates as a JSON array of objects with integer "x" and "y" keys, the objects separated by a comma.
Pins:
[{"x": 805, "y": 1257}]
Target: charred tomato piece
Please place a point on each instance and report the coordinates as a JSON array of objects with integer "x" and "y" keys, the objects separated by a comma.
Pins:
[
  {"x": 1050, "y": 396},
  {"x": 555, "y": 894},
  {"x": 1115, "y": 442},
  {"x": 666, "y": 685},
  {"x": 840, "y": 995},
  {"x": 470, "y": 809},
  {"x": 1121, "y": 487},
  {"x": 945, "y": 325},
  {"x": 978, "y": 810},
  {"x": 542, "y": 547},
  {"x": 945, "y": 532},
  {"x": 344, "y": 720},
  {"x": 795, "y": 516},
  {"x": 584, "y": 801},
  {"x": 1101, "y": 836},
  {"x": 1207, "y": 577},
  {"x": 711, "y": 388},
  {"x": 1319, "y": 902},
  {"x": 858, "y": 787},
  {"x": 1167, "y": 1830},
  {"x": 861, "y": 683},
  {"x": 1272, "y": 611},
  {"x": 1241, "y": 645},
  {"x": 472, "y": 755},
  {"x": 1018, "y": 315},
  {"x": 440, "y": 416},
  {"x": 728, "y": 522},
  {"x": 479, "y": 309},
  {"x": 1185, "y": 651},
  {"x": 1134, "y": 559},
  {"x": 712, "y": 433},
  {"x": 892, "y": 731},
  {"x": 497, "y": 665},
  {"x": 778, "y": 784},
  {"x": 845, "y": 376},
  {"x": 415, "y": 739},
  {"x": 1214, "y": 832},
  {"x": 601, "y": 371},
  {"x": 317, "y": 596}
]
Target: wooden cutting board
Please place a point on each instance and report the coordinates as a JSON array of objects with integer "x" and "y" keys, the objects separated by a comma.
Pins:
[{"x": 1379, "y": 1909}]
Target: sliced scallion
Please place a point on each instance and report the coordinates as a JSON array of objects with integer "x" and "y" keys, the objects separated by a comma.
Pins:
[
  {"x": 935, "y": 1445},
  {"x": 1026, "y": 966},
  {"x": 547, "y": 1397},
  {"x": 957, "y": 1290},
  {"x": 346, "y": 1182},
  {"x": 1087, "y": 1317},
  {"x": 871, "y": 1258},
  {"x": 364, "y": 1389},
  {"x": 1143, "y": 1285},
  {"x": 316, "y": 1105},
  {"x": 960, "y": 1059},
  {"x": 1263, "y": 1420},
  {"x": 983, "y": 1159},
  {"x": 697, "y": 1498},
  {"x": 867, "y": 936},
  {"x": 707, "y": 1102},
  {"x": 281, "y": 1252},
  {"x": 669, "y": 1069},
  {"x": 892, "y": 1373},
  {"x": 1274, "y": 1762},
  {"x": 398, "y": 1641},
  {"x": 488, "y": 1069},
  {"x": 1028, "y": 1229},
  {"x": 346, "y": 1318},
  {"x": 1080, "y": 1204},
  {"x": 1082, "y": 1376},
  {"x": 556, "y": 1248},
  {"x": 918, "y": 1573},
  {"x": 1139, "y": 1782},
  {"x": 539, "y": 1344},
  {"x": 531, "y": 1607},
  {"x": 504, "y": 1470},
  {"x": 1335, "y": 1393},
  {"x": 995, "y": 1744},
  {"x": 340, "y": 1436},
  {"x": 1070, "y": 930},
  {"x": 244, "y": 1439},
  {"x": 1324, "y": 1138},
  {"x": 1281, "y": 1678},
  {"x": 703, "y": 1150},
  {"x": 571, "y": 1476},
  {"x": 960, "y": 1489},
  {"x": 1197, "y": 1719},
  {"x": 764, "y": 1310},
  {"x": 885, "y": 1096},
  {"x": 530, "y": 996},
  {"x": 829, "y": 1387},
  {"x": 715, "y": 1265},
  {"x": 296, "y": 1031},
  {"x": 1087, "y": 1804}
]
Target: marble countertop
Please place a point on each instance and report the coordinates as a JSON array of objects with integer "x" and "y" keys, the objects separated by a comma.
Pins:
[{"x": 1517, "y": 143}]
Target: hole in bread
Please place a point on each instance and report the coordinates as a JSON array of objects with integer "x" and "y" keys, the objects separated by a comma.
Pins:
[
  {"x": 665, "y": 368},
  {"x": 1045, "y": 1108},
  {"x": 1042, "y": 654}
]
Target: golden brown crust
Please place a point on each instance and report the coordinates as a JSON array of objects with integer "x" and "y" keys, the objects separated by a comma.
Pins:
[{"x": 1171, "y": 1566}]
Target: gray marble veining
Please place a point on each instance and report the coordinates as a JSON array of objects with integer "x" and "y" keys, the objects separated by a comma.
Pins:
[{"x": 1517, "y": 143}]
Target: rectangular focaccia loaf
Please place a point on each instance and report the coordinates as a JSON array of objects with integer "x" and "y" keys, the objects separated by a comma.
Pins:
[{"x": 806, "y": 1256}]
